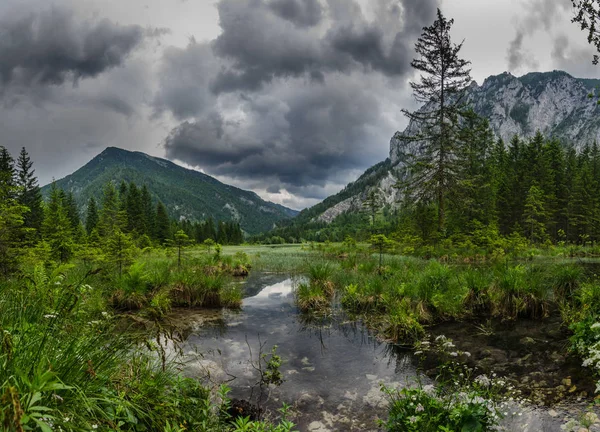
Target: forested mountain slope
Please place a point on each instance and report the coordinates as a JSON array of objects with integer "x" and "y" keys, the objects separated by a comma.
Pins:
[
  {"x": 554, "y": 103},
  {"x": 187, "y": 193}
]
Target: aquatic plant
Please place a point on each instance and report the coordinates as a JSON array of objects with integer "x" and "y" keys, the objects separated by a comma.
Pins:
[
  {"x": 566, "y": 280},
  {"x": 311, "y": 298}
]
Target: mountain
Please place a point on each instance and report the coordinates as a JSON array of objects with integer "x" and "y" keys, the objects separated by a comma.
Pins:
[
  {"x": 187, "y": 193},
  {"x": 554, "y": 103}
]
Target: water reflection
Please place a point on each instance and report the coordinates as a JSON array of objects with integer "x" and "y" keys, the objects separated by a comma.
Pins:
[{"x": 331, "y": 365}]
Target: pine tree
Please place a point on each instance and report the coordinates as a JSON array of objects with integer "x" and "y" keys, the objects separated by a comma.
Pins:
[
  {"x": 57, "y": 228},
  {"x": 12, "y": 216},
  {"x": 72, "y": 211},
  {"x": 474, "y": 198},
  {"x": 135, "y": 211},
  {"x": 92, "y": 219},
  {"x": 148, "y": 211},
  {"x": 162, "y": 224},
  {"x": 433, "y": 169},
  {"x": 210, "y": 230},
  {"x": 556, "y": 198},
  {"x": 120, "y": 250},
  {"x": 29, "y": 194},
  {"x": 181, "y": 240},
  {"x": 7, "y": 175},
  {"x": 222, "y": 237},
  {"x": 109, "y": 211},
  {"x": 372, "y": 206},
  {"x": 535, "y": 215}
]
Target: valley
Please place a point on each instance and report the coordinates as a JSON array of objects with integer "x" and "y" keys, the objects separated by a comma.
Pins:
[{"x": 168, "y": 284}]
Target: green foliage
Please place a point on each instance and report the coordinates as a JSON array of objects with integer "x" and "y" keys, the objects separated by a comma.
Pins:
[
  {"x": 57, "y": 227},
  {"x": 120, "y": 251},
  {"x": 185, "y": 193}
]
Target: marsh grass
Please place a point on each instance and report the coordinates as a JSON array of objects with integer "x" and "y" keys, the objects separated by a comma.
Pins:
[{"x": 68, "y": 363}]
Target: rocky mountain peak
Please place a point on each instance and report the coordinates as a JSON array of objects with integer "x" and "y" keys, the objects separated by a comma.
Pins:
[{"x": 554, "y": 103}]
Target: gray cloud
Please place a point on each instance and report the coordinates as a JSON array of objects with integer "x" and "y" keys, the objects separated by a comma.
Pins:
[
  {"x": 539, "y": 15},
  {"x": 304, "y": 13},
  {"x": 49, "y": 47},
  {"x": 263, "y": 46},
  {"x": 574, "y": 59},
  {"x": 297, "y": 99},
  {"x": 297, "y": 136},
  {"x": 184, "y": 76},
  {"x": 517, "y": 56}
]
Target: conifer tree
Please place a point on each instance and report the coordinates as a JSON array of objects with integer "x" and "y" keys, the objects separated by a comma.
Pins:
[
  {"x": 162, "y": 224},
  {"x": 72, "y": 211},
  {"x": 120, "y": 250},
  {"x": 535, "y": 215},
  {"x": 474, "y": 198},
  {"x": 222, "y": 237},
  {"x": 445, "y": 77},
  {"x": 92, "y": 219},
  {"x": 181, "y": 240},
  {"x": 12, "y": 230},
  {"x": 29, "y": 194},
  {"x": 57, "y": 228},
  {"x": 210, "y": 230},
  {"x": 109, "y": 211},
  {"x": 148, "y": 211},
  {"x": 135, "y": 212},
  {"x": 372, "y": 206},
  {"x": 7, "y": 175}
]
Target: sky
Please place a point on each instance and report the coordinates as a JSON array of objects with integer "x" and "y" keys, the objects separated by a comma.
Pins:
[{"x": 292, "y": 99}]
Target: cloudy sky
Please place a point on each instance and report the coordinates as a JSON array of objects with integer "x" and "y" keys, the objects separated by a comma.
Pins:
[{"x": 290, "y": 98}]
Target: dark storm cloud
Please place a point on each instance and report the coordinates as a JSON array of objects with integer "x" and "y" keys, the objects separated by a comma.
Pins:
[
  {"x": 51, "y": 46},
  {"x": 263, "y": 46},
  {"x": 304, "y": 13},
  {"x": 296, "y": 102},
  {"x": 184, "y": 80},
  {"x": 296, "y": 135}
]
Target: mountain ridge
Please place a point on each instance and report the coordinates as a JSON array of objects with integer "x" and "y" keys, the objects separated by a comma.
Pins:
[
  {"x": 187, "y": 193},
  {"x": 555, "y": 103}
]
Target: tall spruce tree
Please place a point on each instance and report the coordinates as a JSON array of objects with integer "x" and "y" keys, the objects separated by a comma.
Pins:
[
  {"x": 29, "y": 194},
  {"x": 92, "y": 217},
  {"x": 148, "y": 211},
  {"x": 474, "y": 198},
  {"x": 109, "y": 211},
  {"x": 444, "y": 78},
  {"x": 162, "y": 224},
  {"x": 7, "y": 175},
  {"x": 12, "y": 215},
  {"x": 57, "y": 228}
]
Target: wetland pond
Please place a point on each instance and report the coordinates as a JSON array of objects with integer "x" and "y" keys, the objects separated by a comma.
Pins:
[{"x": 333, "y": 370}]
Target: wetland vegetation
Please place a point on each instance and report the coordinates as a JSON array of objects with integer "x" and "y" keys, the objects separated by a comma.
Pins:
[{"x": 478, "y": 295}]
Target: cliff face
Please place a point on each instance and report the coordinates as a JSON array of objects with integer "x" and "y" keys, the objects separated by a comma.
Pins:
[{"x": 554, "y": 103}]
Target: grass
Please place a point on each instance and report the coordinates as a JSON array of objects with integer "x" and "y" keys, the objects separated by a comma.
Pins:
[
  {"x": 69, "y": 360},
  {"x": 409, "y": 293}
]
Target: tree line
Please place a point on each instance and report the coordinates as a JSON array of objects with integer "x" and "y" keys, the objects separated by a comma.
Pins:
[{"x": 123, "y": 218}]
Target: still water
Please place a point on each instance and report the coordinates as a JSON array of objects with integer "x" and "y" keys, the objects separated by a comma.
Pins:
[{"x": 333, "y": 370}]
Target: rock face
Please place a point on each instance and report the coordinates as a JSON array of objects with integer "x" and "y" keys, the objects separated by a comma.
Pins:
[{"x": 554, "y": 103}]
